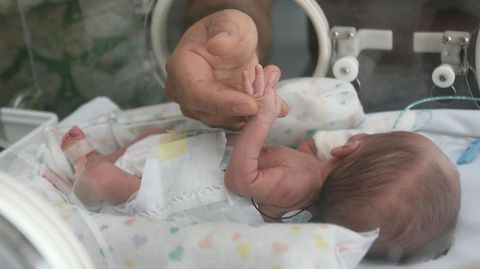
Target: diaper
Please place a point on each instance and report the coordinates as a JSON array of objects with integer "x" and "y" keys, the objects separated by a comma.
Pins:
[
  {"x": 315, "y": 104},
  {"x": 134, "y": 158},
  {"x": 182, "y": 179}
]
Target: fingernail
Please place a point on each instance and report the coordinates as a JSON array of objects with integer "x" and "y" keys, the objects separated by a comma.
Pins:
[
  {"x": 242, "y": 110},
  {"x": 221, "y": 34}
]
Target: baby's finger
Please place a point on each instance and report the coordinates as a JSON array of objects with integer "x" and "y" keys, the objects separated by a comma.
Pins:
[
  {"x": 259, "y": 83},
  {"x": 272, "y": 80},
  {"x": 285, "y": 109},
  {"x": 278, "y": 104},
  {"x": 247, "y": 84},
  {"x": 270, "y": 69}
]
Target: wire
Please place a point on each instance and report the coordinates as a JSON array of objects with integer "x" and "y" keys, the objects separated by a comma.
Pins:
[
  {"x": 281, "y": 218},
  {"x": 432, "y": 99},
  {"x": 468, "y": 84}
]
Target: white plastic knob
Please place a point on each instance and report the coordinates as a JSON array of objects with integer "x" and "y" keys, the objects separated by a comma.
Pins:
[
  {"x": 346, "y": 68},
  {"x": 443, "y": 76}
]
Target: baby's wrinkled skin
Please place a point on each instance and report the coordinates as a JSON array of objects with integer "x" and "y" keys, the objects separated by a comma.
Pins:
[{"x": 278, "y": 178}]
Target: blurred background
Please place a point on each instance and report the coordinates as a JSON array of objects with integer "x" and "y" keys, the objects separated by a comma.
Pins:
[{"x": 57, "y": 54}]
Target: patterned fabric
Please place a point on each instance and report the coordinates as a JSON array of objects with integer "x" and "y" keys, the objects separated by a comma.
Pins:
[
  {"x": 119, "y": 241},
  {"x": 126, "y": 242},
  {"x": 315, "y": 104}
]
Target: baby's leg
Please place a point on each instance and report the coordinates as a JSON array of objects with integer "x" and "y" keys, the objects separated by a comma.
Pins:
[
  {"x": 97, "y": 179},
  {"x": 102, "y": 181},
  {"x": 113, "y": 157}
]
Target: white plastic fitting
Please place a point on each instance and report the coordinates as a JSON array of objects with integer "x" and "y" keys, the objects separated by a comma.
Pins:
[
  {"x": 443, "y": 76},
  {"x": 346, "y": 68},
  {"x": 371, "y": 39},
  {"x": 426, "y": 42},
  {"x": 350, "y": 42},
  {"x": 451, "y": 45}
]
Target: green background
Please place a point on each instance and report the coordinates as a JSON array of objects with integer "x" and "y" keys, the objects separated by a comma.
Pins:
[{"x": 80, "y": 50}]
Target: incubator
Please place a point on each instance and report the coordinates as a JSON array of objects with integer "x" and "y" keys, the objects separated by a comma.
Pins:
[{"x": 100, "y": 64}]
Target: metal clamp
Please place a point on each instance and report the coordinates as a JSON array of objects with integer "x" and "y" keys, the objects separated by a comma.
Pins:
[
  {"x": 347, "y": 44},
  {"x": 452, "y": 46},
  {"x": 348, "y": 41}
]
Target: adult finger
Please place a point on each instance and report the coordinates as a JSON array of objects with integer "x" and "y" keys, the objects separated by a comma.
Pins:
[
  {"x": 226, "y": 102},
  {"x": 207, "y": 97},
  {"x": 233, "y": 123}
]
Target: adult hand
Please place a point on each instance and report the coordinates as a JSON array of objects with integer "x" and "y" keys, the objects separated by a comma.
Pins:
[{"x": 205, "y": 69}]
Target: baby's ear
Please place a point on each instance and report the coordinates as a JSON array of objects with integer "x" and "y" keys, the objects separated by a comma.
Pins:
[{"x": 345, "y": 150}]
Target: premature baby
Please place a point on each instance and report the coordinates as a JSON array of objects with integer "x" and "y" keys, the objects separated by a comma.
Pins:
[{"x": 399, "y": 182}]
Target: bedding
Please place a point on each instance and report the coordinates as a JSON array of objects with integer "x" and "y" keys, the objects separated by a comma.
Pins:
[
  {"x": 118, "y": 241},
  {"x": 115, "y": 240}
]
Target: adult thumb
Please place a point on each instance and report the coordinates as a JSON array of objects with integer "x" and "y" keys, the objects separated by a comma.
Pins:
[
  {"x": 223, "y": 35},
  {"x": 221, "y": 41}
]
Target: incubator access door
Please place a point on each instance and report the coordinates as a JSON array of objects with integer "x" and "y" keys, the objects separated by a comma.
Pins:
[{"x": 32, "y": 235}]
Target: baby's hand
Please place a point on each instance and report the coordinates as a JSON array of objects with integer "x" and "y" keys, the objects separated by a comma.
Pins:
[{"x": 263, "y": 91}]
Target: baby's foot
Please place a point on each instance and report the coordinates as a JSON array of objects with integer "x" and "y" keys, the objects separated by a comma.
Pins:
[
  {"x": 74, "y": 134},
  {"x": 79, "y": 152},
  {"x": 75, "y": 145}
]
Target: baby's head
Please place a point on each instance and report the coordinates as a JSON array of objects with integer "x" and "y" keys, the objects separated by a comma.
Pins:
[{"x": 399, "y": 182}]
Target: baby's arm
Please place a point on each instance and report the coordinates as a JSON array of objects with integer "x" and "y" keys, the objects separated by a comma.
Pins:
[{"x": 243, "y": 175}]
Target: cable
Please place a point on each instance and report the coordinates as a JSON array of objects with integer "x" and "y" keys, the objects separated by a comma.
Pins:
[
  {"x": 281, "y": 218},
  {"x": 432, "y": 99},
  {"x": 468, "y": 84}
]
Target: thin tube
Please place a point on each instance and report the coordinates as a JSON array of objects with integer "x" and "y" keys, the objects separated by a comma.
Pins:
[{"x": 432, "y": 99}]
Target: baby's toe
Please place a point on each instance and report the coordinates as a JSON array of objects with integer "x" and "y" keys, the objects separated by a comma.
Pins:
[{"x": 74, "y": 134}]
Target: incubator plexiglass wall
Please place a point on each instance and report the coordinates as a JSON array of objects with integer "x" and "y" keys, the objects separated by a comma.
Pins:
[{"x": 56, "y": 55}]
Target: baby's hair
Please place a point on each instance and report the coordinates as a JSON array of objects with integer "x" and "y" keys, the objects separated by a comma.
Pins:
[{"x": 394, "y": 184}]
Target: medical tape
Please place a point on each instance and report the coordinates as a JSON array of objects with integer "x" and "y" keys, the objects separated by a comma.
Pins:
[{"x": 78, "y": 150}]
